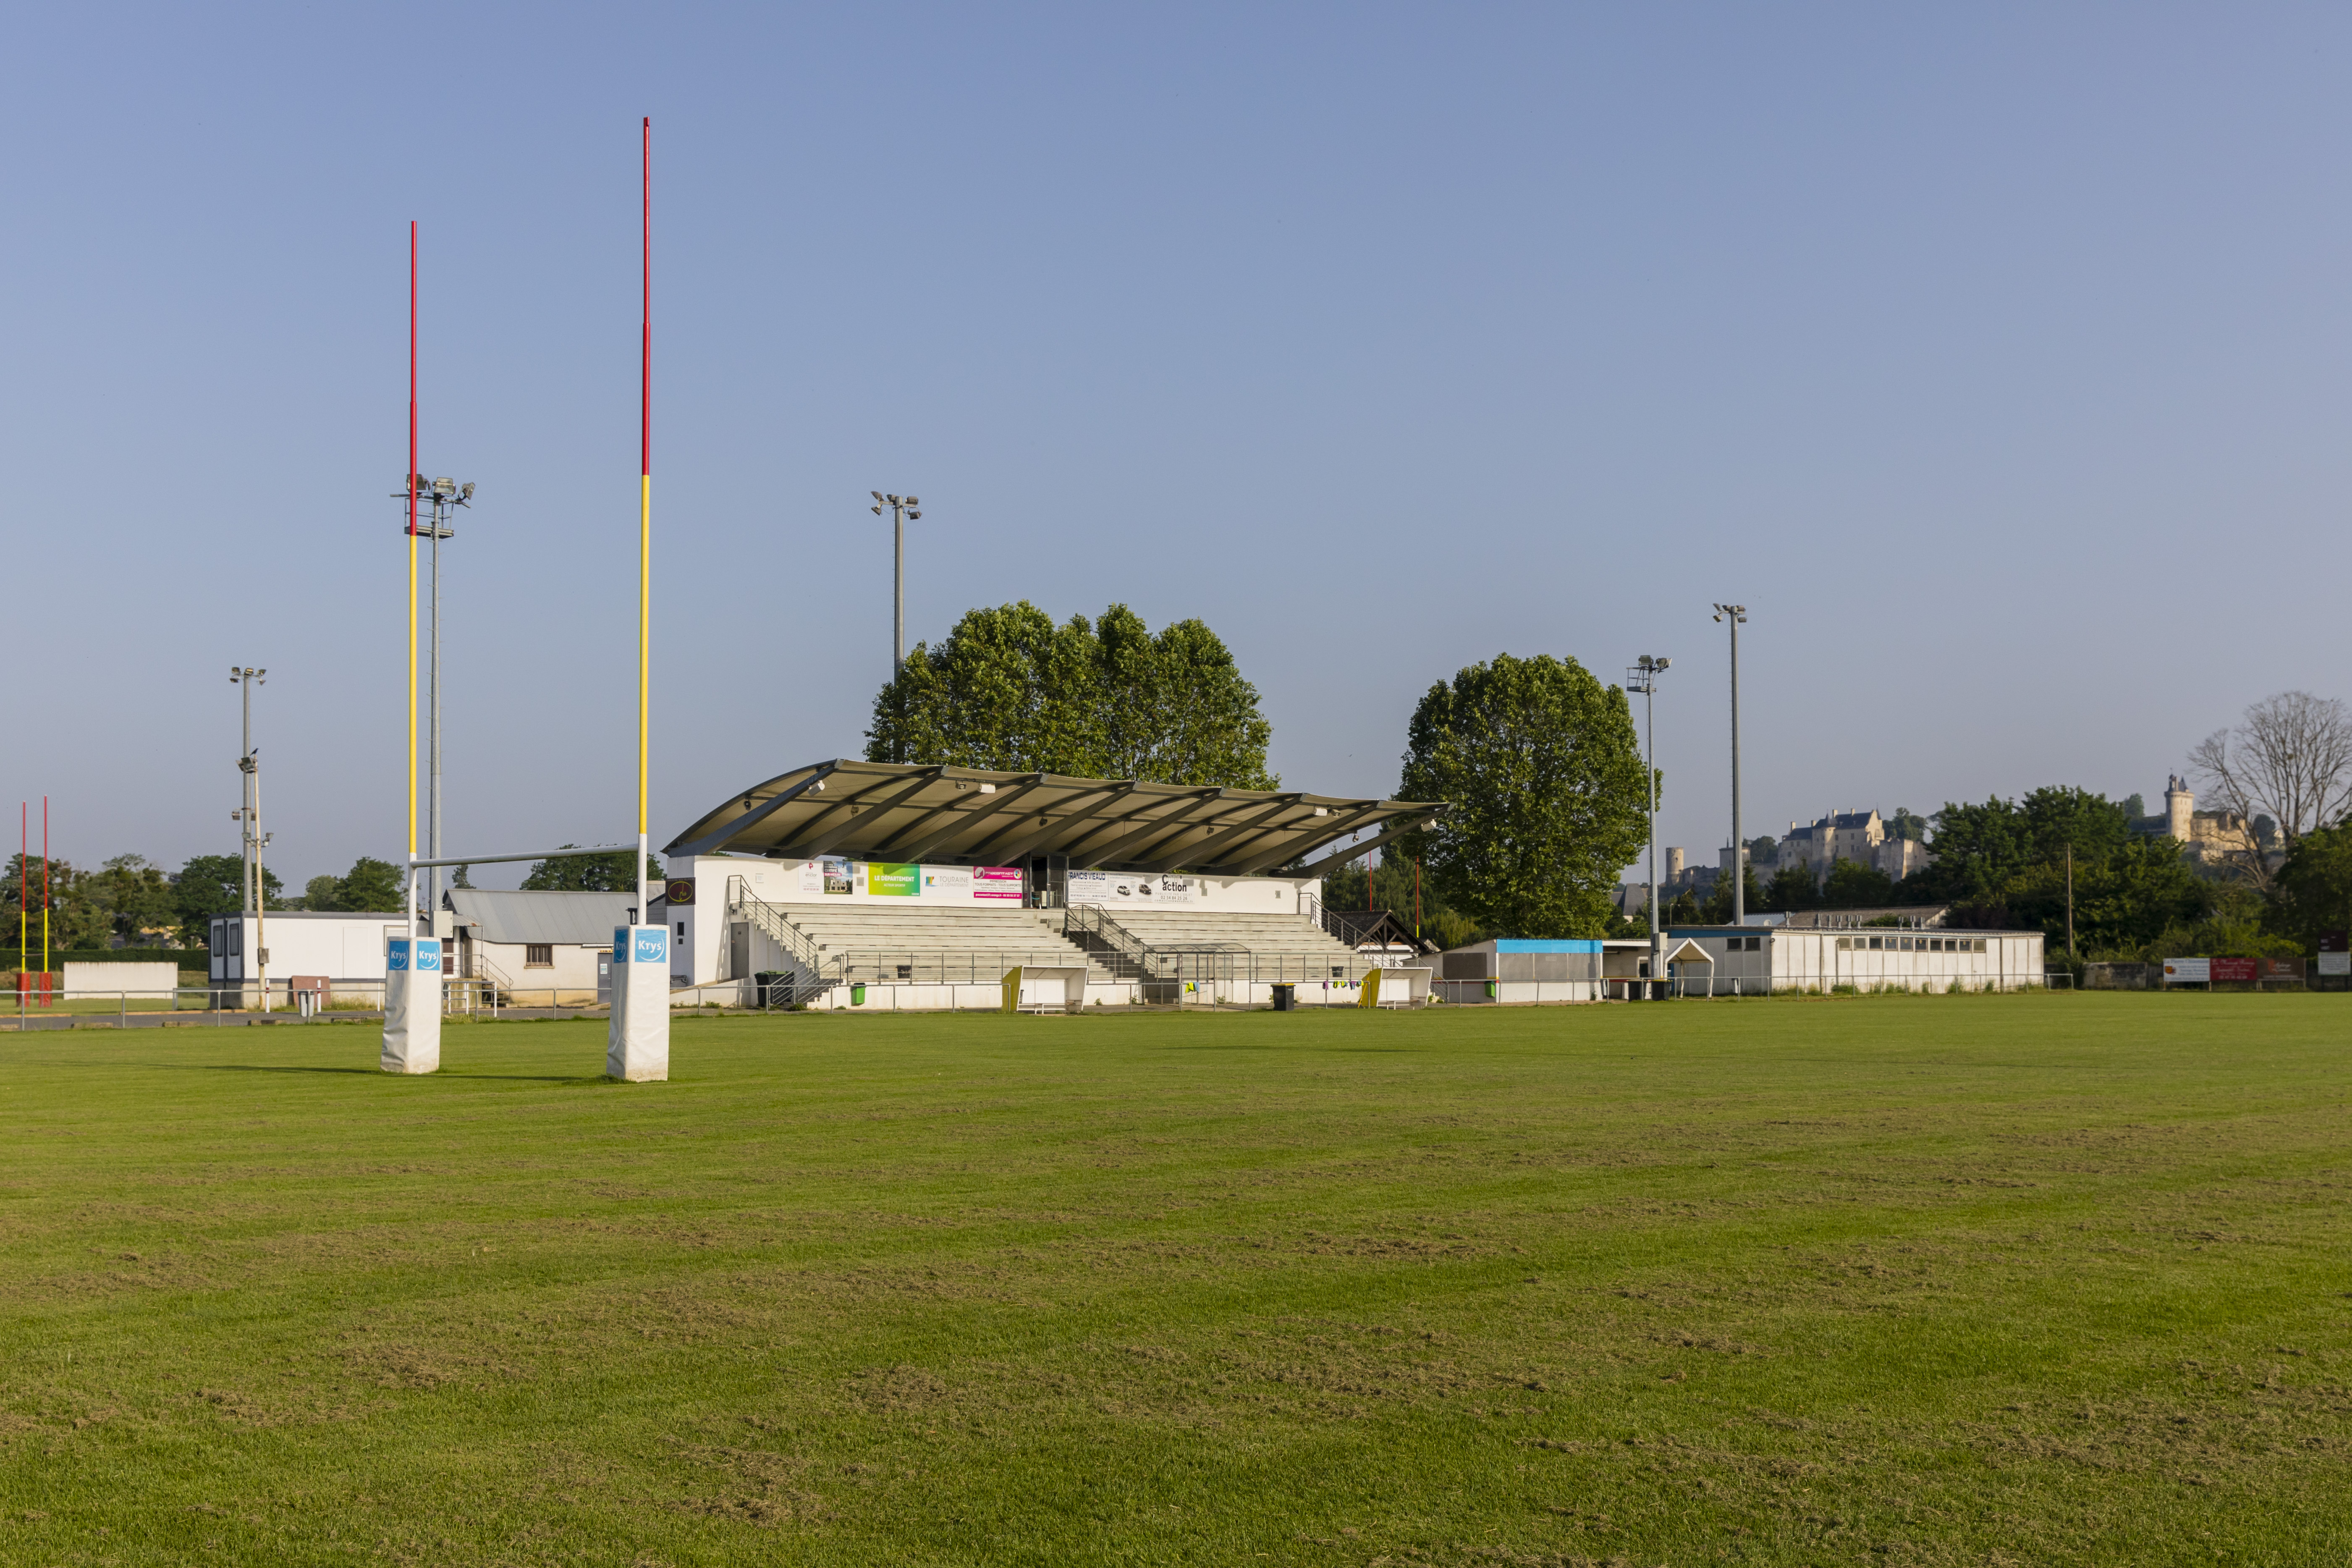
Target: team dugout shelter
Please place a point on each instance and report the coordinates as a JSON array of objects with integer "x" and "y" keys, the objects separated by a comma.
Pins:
[{"x": 888, "y": 884}]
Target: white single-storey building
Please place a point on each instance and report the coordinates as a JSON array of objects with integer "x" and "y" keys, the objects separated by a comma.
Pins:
[
  {"x": 1719, "y": 961},
  {"x": 538, "y": 948},
  {"x": 343, "y": 946}
]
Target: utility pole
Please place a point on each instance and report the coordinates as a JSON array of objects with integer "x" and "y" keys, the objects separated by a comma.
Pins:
[
  {"x": 1737, "y": 616},
  {"x": 443, "y": 496},
  {"x": 249, "y": 814},
  {"x": 2070, "y": 901},
  {"x": 1644, "y": 678}
]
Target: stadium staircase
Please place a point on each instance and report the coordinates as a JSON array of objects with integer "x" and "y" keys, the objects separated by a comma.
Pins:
[{"x": 1169, "y": 943}]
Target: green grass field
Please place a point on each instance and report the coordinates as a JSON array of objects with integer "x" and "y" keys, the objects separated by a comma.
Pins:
[{"x": 2006, "y": 1279}]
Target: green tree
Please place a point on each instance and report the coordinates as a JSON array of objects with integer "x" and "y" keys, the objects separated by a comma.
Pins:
[
  {"x": 1851, "y": 885},
  {"x": 372, "y": 884},
  {"x": 2124, "y": 899},
  {"x": 76, "y": 917},
  {"x": 1718, "y": 902},
  {"x": 323, "y": 892},
  {"x": 1979, "y": 848},
  {"x": 1544, "y": 783},
  {"x": 210, "y": 884},
  {"x": 1794, "y": 888},
  {"x": 611, "y": 871},
  {"x": 1010, "y": 691},
  {"x": 2313, "y": 889},
  {"x": 137, "y": 899}
]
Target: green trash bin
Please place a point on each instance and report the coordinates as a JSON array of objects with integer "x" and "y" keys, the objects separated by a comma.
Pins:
[{"x": 858, "y": 994}]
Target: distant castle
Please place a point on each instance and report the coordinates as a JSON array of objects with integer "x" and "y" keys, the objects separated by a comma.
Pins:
[{"x": 2207, "y": 836}]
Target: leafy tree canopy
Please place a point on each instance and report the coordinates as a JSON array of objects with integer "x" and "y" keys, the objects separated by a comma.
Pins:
[
  {"x": 210, "y": 884},
  {"x": 1546, "y": 790},
  {"x": 78, "y": 917},
  {"x": 2314, "y": 885},
  {"x": 137, "y": 899},
  {"x": 612, "y": 872},
  {"x": 1979, "y": 848},
  {"x": 371, "y": 884},
  {"x": 1010, "y": 691}
]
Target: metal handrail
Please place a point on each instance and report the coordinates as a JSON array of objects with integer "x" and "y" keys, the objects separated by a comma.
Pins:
[
  {"x": 772, "y": 919},
  {"x": 1092, "y": 920}
]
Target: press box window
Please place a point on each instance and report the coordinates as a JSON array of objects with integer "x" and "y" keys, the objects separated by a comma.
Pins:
[{"x": 539, "y": 955}]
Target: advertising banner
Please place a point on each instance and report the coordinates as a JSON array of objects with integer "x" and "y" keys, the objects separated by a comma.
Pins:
[
  {"x": 2336, "y": 964},
  {"x": 952, "y": 883},
  {"x": 840, "y": 875},
  {"x": 2187, "y": 970},
  {"x": 996, "y": 882},
  {"x": 885, "y": 880},
  {"x": 1114, "y": 888},
  {"x": 2248, "y": 969}
]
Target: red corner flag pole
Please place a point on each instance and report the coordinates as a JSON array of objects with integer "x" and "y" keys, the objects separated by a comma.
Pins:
[
  {"x": 645, "y": 524},
  {"x": 45, "y": 900}
]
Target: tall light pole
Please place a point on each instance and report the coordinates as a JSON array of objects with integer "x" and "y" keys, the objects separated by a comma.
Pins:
[
  {"x": 443, "y": 496},
  {"x": 1644, "y": 678},
  {"x": 1737, "y": 616},
  {"x": 901, "y": 512},
  {"x": 249, "y": 814}
]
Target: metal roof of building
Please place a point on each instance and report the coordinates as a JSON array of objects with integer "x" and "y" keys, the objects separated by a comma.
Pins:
[
  {"x": 904, "y": 812},
  {"x": 572, "y": 920}
]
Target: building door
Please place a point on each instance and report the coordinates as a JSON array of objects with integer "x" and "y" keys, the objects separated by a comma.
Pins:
[{"x": 603, "y": 980}]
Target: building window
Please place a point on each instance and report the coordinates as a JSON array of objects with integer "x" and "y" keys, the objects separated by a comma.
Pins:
[
  {"x": 1845, "y": 943},
  {"x": 682, "y": 931},
  {"x": 1875, "y": 942},
  {"x": 539, "y": 955}
]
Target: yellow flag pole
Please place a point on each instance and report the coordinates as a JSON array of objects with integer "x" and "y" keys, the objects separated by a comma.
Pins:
[
  {"x": 645, "y": 527},
  {"x": 411, "y": 487}
]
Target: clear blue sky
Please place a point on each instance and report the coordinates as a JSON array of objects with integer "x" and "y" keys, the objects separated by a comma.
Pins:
[{"x": 1996, "y": 357}]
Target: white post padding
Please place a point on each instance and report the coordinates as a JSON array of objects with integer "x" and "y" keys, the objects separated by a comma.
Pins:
[
  {"x": 412, "y": 1005},
  {"x": 636, "y": 1048}
]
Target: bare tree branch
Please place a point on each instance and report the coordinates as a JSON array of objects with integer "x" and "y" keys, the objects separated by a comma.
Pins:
[{"x": 2290, "y": 759}]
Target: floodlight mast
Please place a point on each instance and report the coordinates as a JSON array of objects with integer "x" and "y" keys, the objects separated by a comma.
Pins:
[
  {"x": 1644, "y": 678},
  {"x": 901, "y": 512},
  {"x": 442, "y": 494},
  {"x": 1737, "y": 616}
]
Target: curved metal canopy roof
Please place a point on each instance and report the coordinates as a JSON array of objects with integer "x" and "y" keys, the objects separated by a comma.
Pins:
[{"x": 904, "y": 811}]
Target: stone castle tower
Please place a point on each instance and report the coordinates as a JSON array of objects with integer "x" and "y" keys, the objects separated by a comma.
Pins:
[{"x": 2179, "y": 808}]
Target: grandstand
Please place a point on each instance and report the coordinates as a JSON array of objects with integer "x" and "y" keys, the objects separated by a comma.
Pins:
[{"x": 877, "y": 884}]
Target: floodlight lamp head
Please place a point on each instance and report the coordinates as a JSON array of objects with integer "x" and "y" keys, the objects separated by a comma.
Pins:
[
  {"x": 914, "y": 517},
  {"x": 465, "y": 492},
  {"x": 875, "y": 509},
  {"x": 876, "y": 495},
  {"x": 1661, "y": 664},
  {"x": 912, "y": 501}
]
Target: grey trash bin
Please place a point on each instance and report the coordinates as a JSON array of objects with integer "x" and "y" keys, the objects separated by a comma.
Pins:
[{"x": 1286, "y": 998}]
